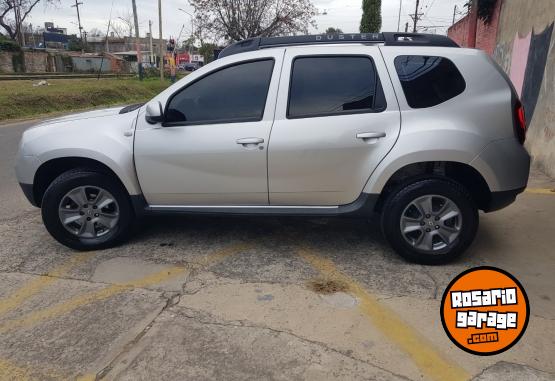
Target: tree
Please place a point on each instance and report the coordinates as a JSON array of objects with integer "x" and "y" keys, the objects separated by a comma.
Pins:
[
  {"x": 332, "y": 30},
  {"x": 371, "y": 21},
  {"x": 75, "y": 44},
  {"x": 95, "y": 32},
  {"x": 207, "y": 51},
  {"x": 123, "y": 25},
  {"x": 241, "y": 19},
  {"x": 14, "y": 12},
  {"x": 486, "y": 9}
]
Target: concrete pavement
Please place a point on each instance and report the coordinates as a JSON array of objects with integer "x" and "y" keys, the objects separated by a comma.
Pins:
[{"x": 235, "y": 298}]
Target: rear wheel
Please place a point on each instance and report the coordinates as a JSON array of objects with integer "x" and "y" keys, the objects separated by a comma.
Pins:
[
  {"x": 86, "y": 210},
  {"x": 430, "y": 221}
]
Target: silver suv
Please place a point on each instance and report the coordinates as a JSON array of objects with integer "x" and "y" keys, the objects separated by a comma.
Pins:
[{"x": 406, "y": 125}]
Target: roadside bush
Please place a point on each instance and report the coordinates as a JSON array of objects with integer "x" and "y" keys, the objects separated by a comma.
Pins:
[
  {"x": 8, "y": 45},
  {"x": 18, "y": 62},
  {"x": 151, "y": 72}
]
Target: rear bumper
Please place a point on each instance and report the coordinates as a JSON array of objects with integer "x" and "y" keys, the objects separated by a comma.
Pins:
[
  {"x": 500, "y": 200},
  {"x": 505, "y": 165},
  {"x": 28, "y": 192}
]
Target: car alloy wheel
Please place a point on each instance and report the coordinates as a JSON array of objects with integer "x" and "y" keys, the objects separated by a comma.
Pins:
[
  {"x": 431, "y": 223},
  {"x": 88, "y": 211}
]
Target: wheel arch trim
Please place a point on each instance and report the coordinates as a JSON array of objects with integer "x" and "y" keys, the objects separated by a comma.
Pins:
[{"x": 63, "y": 163}]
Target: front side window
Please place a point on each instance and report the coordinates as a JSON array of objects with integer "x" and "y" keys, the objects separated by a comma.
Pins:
[
  {"x": 427, "y": 80},
  {"x": 330, "y": 85},
  {"x": 233, "y": 94}
]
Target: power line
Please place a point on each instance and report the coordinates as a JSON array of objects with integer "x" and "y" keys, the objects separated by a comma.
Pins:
[{"x": 429, "y": 7}]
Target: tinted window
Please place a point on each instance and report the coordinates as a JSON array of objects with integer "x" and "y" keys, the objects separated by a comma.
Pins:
[
  {"x": 334, "y": 85},
  {"x": 428, "y": 81},
  {"x": 235, "y": 93}
]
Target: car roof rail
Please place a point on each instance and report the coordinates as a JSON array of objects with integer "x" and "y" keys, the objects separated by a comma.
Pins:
[{"x": 387, "y": 38}]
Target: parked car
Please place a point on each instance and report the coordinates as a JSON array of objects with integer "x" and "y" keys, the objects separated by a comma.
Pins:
[
  {"x": 408, "y": 126},
  {"x": 190, "y": 66}
]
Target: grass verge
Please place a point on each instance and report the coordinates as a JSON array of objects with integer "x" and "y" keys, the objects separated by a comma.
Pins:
[{"x": 19, "y": 99}]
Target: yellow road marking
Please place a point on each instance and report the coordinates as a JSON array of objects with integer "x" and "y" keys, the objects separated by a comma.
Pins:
[
  {"x": 10, "y": 371},
  {"x": 36, "y": 317},
  {"x": 540, "y": 191},
  {"x": 422, "y": 352},
  {"x": 34, "y": 286},
  {"x": 86, "y": 377}
]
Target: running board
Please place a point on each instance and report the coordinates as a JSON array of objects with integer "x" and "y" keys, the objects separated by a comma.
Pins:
[{"x": 363, "y": 206}]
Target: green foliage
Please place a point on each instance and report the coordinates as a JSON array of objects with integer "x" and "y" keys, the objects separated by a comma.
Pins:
[
  {"x": 151, "y": 72},
  {"x": 332, "y": 30},
  {"x": 207, "y": 51},
  {"x": 18, "y": 62},
  {"x": 371, "y": 21},
  {"x": 486, "y": 8},
  {"x": 8, "y": 45},
  {"x": 74, "y": 44}
]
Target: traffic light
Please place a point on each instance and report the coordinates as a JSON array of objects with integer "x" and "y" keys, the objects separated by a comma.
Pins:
[{"x": 171, "y": 45}]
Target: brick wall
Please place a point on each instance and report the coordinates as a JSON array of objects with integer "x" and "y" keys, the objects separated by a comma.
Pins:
[
  {"x": 36, "y": 62},
  {"x": 486, "y": 34},
  {"x": 6, "y": 65}
]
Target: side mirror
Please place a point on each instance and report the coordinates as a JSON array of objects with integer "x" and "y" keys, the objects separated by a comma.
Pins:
[{"x": 154, "y": 113}]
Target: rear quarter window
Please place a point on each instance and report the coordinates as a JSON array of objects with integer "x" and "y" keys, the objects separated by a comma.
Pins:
[{"x": 428, "y": 80}]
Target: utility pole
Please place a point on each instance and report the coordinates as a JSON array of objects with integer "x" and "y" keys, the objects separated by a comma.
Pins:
[
  {"x": 137, "y": 40},
  {"x": 150, "y": 42},
  {"x": 416, "y": 16},
  {"x": 161, "y": 40},
  {"x": 399, "y": 20},
  {"x": 472, "y": 24},
  {"x": 107, "y": 49},
  {"x": 454, "y": 14},
  {"x": 77, "y": 4}
]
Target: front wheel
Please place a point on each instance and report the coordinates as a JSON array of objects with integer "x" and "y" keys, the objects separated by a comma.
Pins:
[
  {"x": 86, "y": 210},
  {"x": 430, "y": 221}
]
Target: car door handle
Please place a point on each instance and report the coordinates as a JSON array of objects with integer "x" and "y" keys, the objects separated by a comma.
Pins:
[
  {"x": 248, "y": 141},
  {"x": 371, "y": 135}
]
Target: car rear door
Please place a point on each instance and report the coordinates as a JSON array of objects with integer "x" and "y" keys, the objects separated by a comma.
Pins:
[{"x": 336, "y": 118}]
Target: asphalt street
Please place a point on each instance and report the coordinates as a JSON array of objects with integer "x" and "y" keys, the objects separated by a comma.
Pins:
[{"x": 204, "y": 298}]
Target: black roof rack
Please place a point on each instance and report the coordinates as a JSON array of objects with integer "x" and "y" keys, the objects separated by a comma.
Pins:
[{"x": 387, "y": 38}]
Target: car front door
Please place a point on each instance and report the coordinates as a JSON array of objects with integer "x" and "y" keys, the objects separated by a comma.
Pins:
[
  {"x": 211, "y": 150},
  {"x": 336, "y": 118}
]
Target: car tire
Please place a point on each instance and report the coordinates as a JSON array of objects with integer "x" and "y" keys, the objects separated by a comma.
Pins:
[
  {"x": 430, "y": 221},
  {"x": 100, "y": 220}
]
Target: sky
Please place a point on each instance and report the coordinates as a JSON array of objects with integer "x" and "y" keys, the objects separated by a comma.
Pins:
[{"x": 343, "y": 14}]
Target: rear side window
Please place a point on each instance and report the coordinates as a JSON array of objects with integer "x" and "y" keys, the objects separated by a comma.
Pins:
[
  {"x": 233, "y": 94},
  {"x": 427, "y": 80},
  {"x": 331, "y": 85}
]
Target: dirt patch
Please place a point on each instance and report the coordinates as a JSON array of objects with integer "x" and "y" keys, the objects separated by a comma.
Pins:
[{"x": 327, "y": 286}]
